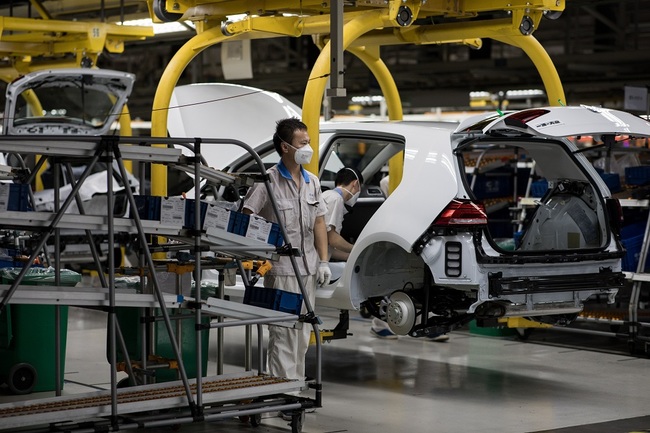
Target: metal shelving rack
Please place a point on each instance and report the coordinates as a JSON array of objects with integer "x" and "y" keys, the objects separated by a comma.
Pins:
[{"x": 202, "y": 399}]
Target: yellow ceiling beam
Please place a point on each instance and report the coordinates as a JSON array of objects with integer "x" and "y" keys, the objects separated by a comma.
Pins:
[
  {"x": 36, "y": 37},
  {"x": 40, "y": 9},
  {"x": 219, "y": 9}
]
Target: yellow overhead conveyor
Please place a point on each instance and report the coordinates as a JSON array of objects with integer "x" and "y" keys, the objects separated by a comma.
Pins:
[
  {"x": 367, "y": 25},
  {"x": 23, "y": 39}
]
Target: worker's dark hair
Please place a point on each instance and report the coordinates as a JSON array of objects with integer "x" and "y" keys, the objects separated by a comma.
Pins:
[
  {"x": 284, "y": 132},
  {"x": 347, "y": 175}
]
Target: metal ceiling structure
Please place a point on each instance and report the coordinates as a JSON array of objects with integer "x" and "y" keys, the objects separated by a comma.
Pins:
[{"x": 597, "y": 46}]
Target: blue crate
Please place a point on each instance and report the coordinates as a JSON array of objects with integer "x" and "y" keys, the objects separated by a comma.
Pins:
[
  {"x": 189, "y": 213},
  {"x": 273, "y": 299},
  {"x": 148, "y": 207},
  {"x": 637, "y": 175},
  {"x": 632, "y": 251},
  {"x": 18, "y": 197},
  {"x": 239, "y": 223},
  {"x": 613, "y": 181},
  {"x": 538, "y": 188},
  {"x": 275, "y": 237},
  {"x": 632, "y": 240},
  {"x": 493, "y": 185}
]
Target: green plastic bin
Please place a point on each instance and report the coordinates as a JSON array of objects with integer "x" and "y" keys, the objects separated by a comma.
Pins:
[
  {"x": 27, "y": 335},
  {"x": 497, "y": 331},
  {"x": 129, "y": 321}
]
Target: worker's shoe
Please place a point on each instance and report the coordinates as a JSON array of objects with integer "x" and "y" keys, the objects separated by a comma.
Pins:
[
  {"x": 438, "y": 338},
  {"x": 385, "y": 334}
]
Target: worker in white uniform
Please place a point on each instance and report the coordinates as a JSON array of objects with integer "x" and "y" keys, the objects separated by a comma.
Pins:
[
  {"x": 347, "y": 187},
  {"x": 297, "y": 194}
]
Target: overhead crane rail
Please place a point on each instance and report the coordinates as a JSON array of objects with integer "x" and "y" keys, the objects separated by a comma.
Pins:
[{"x": 55, "y": 41}]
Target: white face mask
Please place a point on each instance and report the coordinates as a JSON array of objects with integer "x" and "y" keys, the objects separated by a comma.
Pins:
[
  {"x": 352, "y": 200},
  {"x": 302, "y": 155}
]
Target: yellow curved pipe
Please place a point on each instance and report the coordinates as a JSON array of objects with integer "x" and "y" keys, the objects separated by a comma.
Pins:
[
  {"x": 370, "y": 57},
  {"x": 315, "y": 89},
  {"x": 126, "y": 131},
  {"x": 543, "y": 63},
  {"x": 163, "y": 96}
]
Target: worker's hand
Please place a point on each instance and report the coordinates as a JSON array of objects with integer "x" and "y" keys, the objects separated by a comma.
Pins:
[{"x": 324, "y": 273}]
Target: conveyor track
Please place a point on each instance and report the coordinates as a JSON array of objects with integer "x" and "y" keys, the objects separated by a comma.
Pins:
[{"x": 140, "y": 399}]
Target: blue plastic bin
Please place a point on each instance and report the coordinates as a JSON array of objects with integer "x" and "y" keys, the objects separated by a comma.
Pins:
[
  {"x": 637, "y": 175},
  {"x": 538, "y": 188},
  {"x": 273, "y": 299}
]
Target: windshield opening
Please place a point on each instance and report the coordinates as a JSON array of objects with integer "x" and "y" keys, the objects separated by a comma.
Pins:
[{"x": 73, "y": 103}]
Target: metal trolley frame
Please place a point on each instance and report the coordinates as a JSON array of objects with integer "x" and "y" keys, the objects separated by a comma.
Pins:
[{"x": 196, "y": 400}]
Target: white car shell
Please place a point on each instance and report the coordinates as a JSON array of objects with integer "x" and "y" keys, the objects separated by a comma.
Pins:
[{"x": 434, "y": 275}]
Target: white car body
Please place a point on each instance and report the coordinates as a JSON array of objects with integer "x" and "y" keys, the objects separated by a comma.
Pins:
[{"x": 434, "y": 276}]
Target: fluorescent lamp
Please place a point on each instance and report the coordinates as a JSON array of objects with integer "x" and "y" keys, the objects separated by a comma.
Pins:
[{"x": 161, "y": 28}]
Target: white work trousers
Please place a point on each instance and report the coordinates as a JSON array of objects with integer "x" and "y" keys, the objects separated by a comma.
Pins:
[{"x": 287, "y": 346}]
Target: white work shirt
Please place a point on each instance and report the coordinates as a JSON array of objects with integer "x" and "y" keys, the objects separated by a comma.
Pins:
[
  {"x": 294, "y": 206},
  {"x": 336, "y": 210}
]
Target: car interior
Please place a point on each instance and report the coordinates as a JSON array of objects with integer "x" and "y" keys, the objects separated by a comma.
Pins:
[{"x": 566, "y": 213}]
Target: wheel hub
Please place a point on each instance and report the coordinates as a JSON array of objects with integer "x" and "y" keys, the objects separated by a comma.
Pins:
[{"x": 400, "y": 313}]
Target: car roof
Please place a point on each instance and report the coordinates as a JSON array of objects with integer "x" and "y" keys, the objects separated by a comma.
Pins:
[{"x": 396, "y": 127}]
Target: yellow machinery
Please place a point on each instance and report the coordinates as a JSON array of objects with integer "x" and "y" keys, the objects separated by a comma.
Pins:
[
  {"x": 33, "y": 44},
  {"x": 365, "y": 26}
]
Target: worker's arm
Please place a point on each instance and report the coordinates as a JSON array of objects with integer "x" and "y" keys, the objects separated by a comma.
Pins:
[
  {"x": 320, "y": 238},
  {"x": 337, "y": 241},
  {"x": 339, "y": 255}
]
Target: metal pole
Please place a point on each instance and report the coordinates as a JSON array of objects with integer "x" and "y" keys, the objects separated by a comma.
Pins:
[
  {"x": 57, "y": 282},
  {"x": 197, "y": 272},
  {"x": 110, "y": 205}
]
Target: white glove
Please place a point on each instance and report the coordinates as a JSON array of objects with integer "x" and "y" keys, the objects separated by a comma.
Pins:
[{"x": 324, "y": 273}]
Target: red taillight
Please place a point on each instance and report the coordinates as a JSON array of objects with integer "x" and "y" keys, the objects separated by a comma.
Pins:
[
  {"x": 462, "y": 213},
  {"x": 526, "y": 116}
]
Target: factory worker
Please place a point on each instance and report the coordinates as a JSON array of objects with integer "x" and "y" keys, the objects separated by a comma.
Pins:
[
  {"x": 297, "y": 193},
  {"x": 344, "y": 195}
]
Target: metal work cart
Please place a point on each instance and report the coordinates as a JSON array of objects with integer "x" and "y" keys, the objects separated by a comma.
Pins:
[{"x": 196, "y": 400}]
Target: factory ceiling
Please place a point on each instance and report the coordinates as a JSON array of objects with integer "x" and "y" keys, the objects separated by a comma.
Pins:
[{"x": 597, "y": 46}]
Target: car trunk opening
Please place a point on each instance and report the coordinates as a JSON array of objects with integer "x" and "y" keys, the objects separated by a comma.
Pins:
[{"x": 539, "y": 197}]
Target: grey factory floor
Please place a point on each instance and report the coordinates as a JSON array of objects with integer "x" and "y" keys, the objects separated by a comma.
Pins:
[{"x": 472, "y": 382}]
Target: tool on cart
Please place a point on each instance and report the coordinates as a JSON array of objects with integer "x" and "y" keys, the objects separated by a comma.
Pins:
[{"x": 261, "y": 267}]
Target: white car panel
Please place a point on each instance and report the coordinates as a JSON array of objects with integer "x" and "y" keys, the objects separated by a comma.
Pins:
[
  {"x": 62, "y": 89},
  {"x": 570, "y": 121},
  {"x": 219, "y": 110}
]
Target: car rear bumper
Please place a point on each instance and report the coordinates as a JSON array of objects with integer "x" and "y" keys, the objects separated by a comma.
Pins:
[{"x": 500, "y": 286}]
